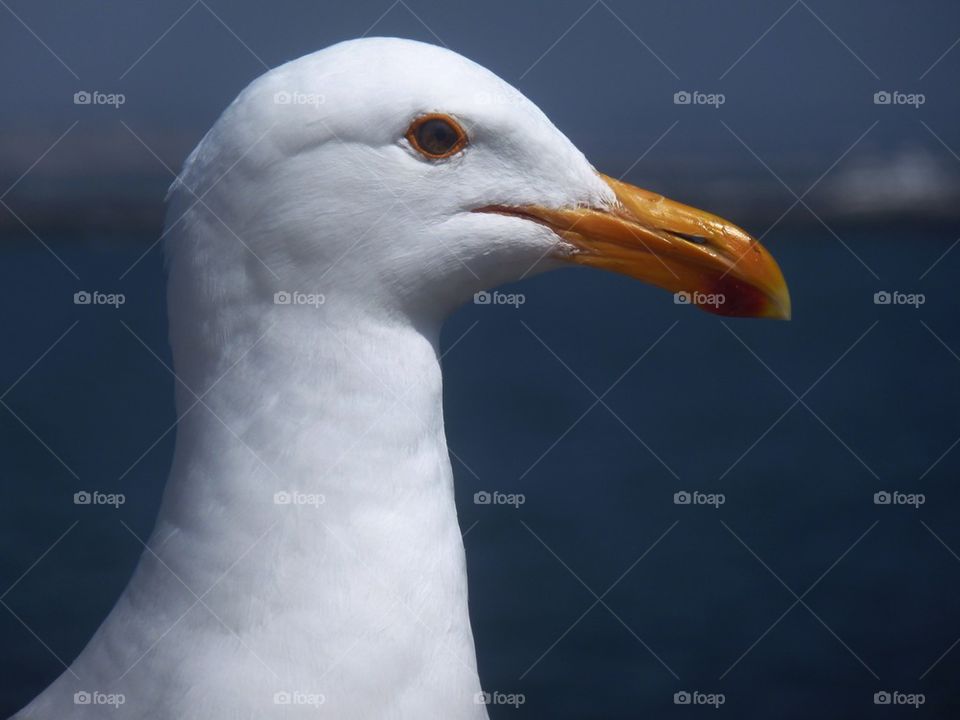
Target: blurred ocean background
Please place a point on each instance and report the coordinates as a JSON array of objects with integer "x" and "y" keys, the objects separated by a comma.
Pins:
[{"x": 799, "y": 595}]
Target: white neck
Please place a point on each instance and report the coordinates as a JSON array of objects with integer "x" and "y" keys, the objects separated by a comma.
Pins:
[{"x": 357, "y": 589}]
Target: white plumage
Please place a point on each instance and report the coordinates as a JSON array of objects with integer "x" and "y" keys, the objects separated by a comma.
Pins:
[
  {"x": 307, "y": 560},
  {"x": 308, "y": 186}
]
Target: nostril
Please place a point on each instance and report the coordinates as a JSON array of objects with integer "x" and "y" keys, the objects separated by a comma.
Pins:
[{"x": 695, "y": 239}]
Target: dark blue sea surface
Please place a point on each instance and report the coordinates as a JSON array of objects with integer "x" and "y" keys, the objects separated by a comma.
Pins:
[{"x": 597, "y": 400}]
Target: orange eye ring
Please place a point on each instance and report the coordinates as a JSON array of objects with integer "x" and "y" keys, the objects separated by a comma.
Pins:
[{"x": 436, "y": 136}]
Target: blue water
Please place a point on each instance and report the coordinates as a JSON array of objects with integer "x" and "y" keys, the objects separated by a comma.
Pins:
[{"x": 878, "y": 617}]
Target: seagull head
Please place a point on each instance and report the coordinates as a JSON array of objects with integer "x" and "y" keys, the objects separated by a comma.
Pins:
[{"x": 395, "y": 173}]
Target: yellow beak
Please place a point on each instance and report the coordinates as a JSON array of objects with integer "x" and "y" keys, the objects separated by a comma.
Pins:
[{"x": 703, "y": 259}]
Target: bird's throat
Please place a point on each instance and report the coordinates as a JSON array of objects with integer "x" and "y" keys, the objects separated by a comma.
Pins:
[{"x": 308, "y": 536}]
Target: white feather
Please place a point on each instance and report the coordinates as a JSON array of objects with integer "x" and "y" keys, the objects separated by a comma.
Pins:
[{"x": 360, "y": 599}]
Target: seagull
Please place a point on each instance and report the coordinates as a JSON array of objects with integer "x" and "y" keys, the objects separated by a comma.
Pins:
[{"x": 307, "y": 560}]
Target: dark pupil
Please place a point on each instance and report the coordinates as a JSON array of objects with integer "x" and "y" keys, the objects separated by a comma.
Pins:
[{"x": 436, "y": 137}]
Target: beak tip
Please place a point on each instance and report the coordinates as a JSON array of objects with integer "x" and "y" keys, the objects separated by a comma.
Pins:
[
  {"x": 780, "y": 314},
  {"x": 764, "y": 297},
  {"x": 781, "y": 297},
  {"x": 780, "y": 306}
]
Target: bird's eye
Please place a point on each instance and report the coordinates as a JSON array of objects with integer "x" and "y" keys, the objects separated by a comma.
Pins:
[{"x": 436, "y": 136}]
